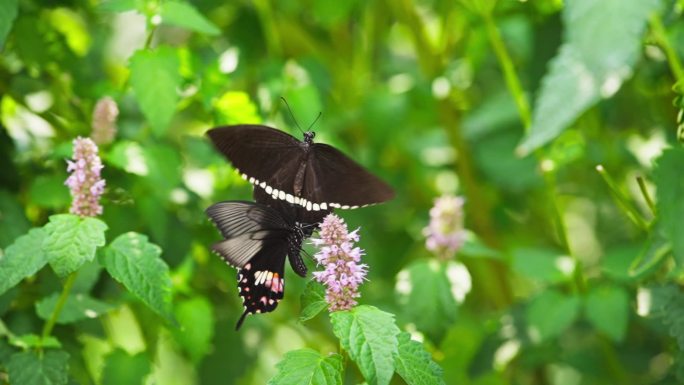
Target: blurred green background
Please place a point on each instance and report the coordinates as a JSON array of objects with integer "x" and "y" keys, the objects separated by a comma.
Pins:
[{"x": 435, "y": 97}]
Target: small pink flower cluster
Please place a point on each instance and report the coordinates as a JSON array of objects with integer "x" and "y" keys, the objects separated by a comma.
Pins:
[
  {"x": 104, "y": 120},
  {"x": 445, "y": 233},
  {"x": 343, "y": 273},
  {"x": 85, "y": 182}
]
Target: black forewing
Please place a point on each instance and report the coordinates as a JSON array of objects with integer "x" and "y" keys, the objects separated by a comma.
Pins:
[
  {"x": 260, "y": 152},
  {"x": 261, "y": 282},
  {"x": 233, "y": 218},
  {"x": 332, "y": 177}
]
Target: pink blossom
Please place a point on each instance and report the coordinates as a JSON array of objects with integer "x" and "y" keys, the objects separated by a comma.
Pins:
[
  {"x": 445, "y": 233},
  {"x": 85, "y": 182},
  {"x": 342, "y": 273},
  {"x": 104, "y": 120}
]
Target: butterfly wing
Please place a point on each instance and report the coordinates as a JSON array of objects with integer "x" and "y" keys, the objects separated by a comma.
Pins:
[
  {"x": 234, "y": 218},
  {"x": 264, "y": 156},
  {"x": 334, "y": 180}
]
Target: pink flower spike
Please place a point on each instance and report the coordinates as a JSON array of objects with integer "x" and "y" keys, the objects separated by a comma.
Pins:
[
  {"x": 342, "y": 275},
  {"x": 445, "y": 233},
  {"x": 85, "y": 182}
]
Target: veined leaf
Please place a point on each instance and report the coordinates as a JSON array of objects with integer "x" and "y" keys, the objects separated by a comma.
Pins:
[
  {"x": 30, "y": 368},
  {"x": 414, "y": 364},
  {"x": 369, "y": 335},
  {"x": 135, "y": 262},
  {"x": 71, "y": 241},
  {"x": 313, "y": 301},
  {"x": 76, "y": 308},
  {"x": 308, "y": 367},
  {"x": 22, "y": 259},
  {"x": 155, "y": 78},
  {"x": 602, "y": 44}
]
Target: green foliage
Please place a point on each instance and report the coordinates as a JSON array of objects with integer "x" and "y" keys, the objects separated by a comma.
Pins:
[
  {"x": 71, "y": 241},
  {"x": 551, "y": 313},
  {"x": 308, "y": 367},
  {"x": 313, "y": 301},
  {"x": 369, "y": 335},
  {"x": 123, "y": 368},
  {"x": 8, "y": 12},
  {"x": 135, "y": 262},
  {"x": 602, "y": 43},
  {"x": 414, "y": 364},
  {"x": 155, "y": 78},
  {"x": 29, "y": 368},
  {"x": 76, "y": 308},
  {"x": 186, "y": 16},
  {"x": 607, "y": 308},
  {"x": 668, "y": 177},
  {"x": 196, "y": 327},
  {"x": 22, "y": 259}
]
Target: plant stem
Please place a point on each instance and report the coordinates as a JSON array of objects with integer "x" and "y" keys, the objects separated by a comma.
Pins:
[
  {"x": 512, "y": 79},
  {"x": 50, "y": 324},
  {"x": 622, "y": 200},
  {"x": 660, "y": 36},
  {"x": 647, "y": 196}
]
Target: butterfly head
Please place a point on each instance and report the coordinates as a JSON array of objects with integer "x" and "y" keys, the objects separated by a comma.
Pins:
[{"x": 309, "y": 137}]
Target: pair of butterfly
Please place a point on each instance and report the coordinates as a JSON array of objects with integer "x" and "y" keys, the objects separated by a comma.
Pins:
[{"x": 296, "y": 184}]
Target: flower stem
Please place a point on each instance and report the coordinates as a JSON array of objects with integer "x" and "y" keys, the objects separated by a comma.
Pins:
[
  {"x": 50, "y": 324},
  {"x": 622, "y": 201},
  {"x": 647, "y": 196}
]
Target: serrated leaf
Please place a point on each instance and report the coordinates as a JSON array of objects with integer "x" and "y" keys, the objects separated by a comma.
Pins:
[
  {"x": 155, "y": 78},
  {"x": 8, "y": 12},
  {"x": 313, "y": 301},
  {"x": 369, "y": 335},
  {"x": 425, "y": 290},
  {"x": 308, "y": 367},
  {"x": 71, "y": 241},
  {"x": 669, "y": 180},
  {"x": 603, "y": 41},
  {"x": 186, "y": 16},
  {"x": 22, "y": 259},
  {"x": 607, "y": 308},
  {"x": 136, "y": 263},
  {"x": 196, "y": 326},
  {"x": 76, "y": 308},
  {"x": 30, "y": 368},
  {"x": 414, "y": 364},
  {"x": 26, "y": 341},
  {"x": 550, "y": 314},
  {"x": 122, "y": 368}
]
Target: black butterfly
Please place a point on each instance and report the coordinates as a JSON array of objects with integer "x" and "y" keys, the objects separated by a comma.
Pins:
[
  {"x": 257, "y": 240},
  {"x": 314, "y": 177}
]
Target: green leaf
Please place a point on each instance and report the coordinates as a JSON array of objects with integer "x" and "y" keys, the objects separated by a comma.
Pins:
[
  {"x": 607, "y": 308},
  {"x": 550, "y": 314},
  {"x": 13, "y": 222},
  {"x": 120, "y": 5},
  {"x": 8, "y": 12},
  {"x": 669, "y": 180},
  {"x": 122, "y": 368},
  {"x": 235, "y": 107},
  {"x": 76, "y": 308},
  {"x": 308, "y": 367},
  {"x": 186, "y": 16},
  {"x": 414, "y": 364},
  {"x": 72, "y": 241},
  {"x": 136, "y": 263},
  {"x": 22, "y": 259},
  {"x": 31, "y": 368},
  {"x": 155, "y": 78},
  {"x": 427, "y": 293},
  {"x": 656, "y": 250},
  {"x": 6, "y": 352},
  {"x": 542, "y": 264},
  {"x": 313, "y": 301},
  {"x": 369, "y": 335},
  {"x": 49, "y": 191},
  {"x": 602, "y": 43},
  {"x": 196, "y": 326},
  {"x": 27, "y": 341}
]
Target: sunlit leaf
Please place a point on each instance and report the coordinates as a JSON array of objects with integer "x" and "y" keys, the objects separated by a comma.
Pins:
[
  {"x": 74, "y": 29},
  {"x": 669, "y": 179},
  {"x": 135, "y": 262},
  {"x": 32, "y": 368},
  {"x": 550, "y": 314},
  {"x": 22, "y": 259},
  {"x": 8, "y": 12},
  {"x": 122, "y": 368},
  {"x": 155, "y": 79},
  {"x": 602, "y": 43},
  {"x": 313, "y": 301},
  {"x": 71, "y": 241},
  {"x": 76, "y": 308},
  {"x": 308, "y": 367},
  {"x": 414, "y": 364},
  {"x": 186, "y": 16},
  {"x": 607, "y": 308},
  {"x": 26, "y": 341},
  {"x": 235, "y": 107},
  {"x": 369, "y": 335}
]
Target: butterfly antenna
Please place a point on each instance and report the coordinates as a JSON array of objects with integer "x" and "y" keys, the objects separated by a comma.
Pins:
[
  {"x": 291, "y": 114},
  {"x": 315, "y": 120}
]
